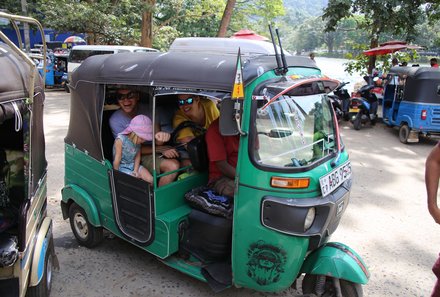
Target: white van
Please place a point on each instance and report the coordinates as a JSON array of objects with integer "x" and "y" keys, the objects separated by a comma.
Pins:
[
  {"x": 224, "y": 46},
  {"x": 81, "y": 52}
]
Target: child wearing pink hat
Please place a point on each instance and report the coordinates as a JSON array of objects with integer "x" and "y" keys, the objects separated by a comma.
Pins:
[{"x": 127, "y": 148}]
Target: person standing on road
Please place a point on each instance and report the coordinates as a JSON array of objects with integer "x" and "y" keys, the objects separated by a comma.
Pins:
[{"x": 432, "y": 175}]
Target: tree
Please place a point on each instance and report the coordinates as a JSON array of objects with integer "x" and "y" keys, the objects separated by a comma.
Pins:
[
  {"x": 147, "y": 24},
  {"x": 226, "y": 19},
  {"x": 387, "y": 16}
]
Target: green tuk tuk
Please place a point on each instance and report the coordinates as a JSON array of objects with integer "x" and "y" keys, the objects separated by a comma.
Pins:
[
  {"x": 26, "y": 241},
  {"x": 293, "y": 174}
]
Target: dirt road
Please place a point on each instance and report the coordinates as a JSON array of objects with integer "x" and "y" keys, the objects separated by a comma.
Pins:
[{"x": 387, "y": 223}]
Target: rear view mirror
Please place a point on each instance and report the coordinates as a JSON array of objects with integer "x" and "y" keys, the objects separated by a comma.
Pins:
[{"x": 228, "y": 124}]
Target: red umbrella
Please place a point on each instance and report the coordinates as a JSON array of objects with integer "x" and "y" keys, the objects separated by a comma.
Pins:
[
  {"x": 248, "y": 34},
  {"x": 390, "y": 47}
]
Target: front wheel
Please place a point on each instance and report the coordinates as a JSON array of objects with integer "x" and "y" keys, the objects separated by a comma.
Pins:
[
  {"x": 404, "y": 133},
  {"x": 44, "y": 286},
  {"x": 86, "y": 234},
  {"x": 321, "y": 285}
]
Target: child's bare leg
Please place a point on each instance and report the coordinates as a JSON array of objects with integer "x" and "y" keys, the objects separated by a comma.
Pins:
[{"x": 145, "y": 175}]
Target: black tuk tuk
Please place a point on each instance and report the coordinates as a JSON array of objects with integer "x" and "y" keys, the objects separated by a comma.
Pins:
[{"x": 26, "y": 240}]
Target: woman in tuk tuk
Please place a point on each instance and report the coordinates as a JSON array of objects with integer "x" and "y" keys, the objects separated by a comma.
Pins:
[{"x": 200, "y": 111}]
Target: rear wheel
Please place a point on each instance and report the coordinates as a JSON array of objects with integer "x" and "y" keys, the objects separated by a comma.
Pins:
[
  {"x": 86, "y": 234},
  {"x": 357, "y": 122},
  {"x": 404, "y": 133},
  {"x": 329, "y": 289},
  {"x": 45, "y": 285}
]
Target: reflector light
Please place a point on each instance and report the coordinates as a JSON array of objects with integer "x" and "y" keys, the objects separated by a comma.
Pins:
[
  {"x": 289, "y": 183},
  {"x": 424, "y": 114}
]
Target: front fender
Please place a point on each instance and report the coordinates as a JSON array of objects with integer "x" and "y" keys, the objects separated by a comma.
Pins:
[
  {"x": 83, "y": 199},
  {"x": 43, "y": 240},
  {"x": 337, "y": 260}
]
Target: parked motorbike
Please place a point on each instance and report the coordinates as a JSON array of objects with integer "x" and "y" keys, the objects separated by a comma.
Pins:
[
  {"x": 363, "y": 109},
  {"x": 340, "y": 101}
]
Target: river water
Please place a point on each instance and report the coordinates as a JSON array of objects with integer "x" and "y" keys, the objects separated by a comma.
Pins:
[{"x": 334, "y": 68}]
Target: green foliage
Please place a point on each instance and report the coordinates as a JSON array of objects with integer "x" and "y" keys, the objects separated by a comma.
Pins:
[{"x": 393, "y": 17}]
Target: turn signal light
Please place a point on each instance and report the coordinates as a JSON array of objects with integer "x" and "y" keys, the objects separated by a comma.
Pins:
[
  {"x": 423, "y": 115},
  {"x": 289, "y": 183}
]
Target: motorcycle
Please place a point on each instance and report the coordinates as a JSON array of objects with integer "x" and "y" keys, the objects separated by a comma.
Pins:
[
  {"x": 340, "y": 101},
  {"x": 363, "y": 109}
]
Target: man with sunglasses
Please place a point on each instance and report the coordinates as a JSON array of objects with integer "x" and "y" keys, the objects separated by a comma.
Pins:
[
  {"x": 128, "y": 101},
  {"x": 201, "y": 111}
]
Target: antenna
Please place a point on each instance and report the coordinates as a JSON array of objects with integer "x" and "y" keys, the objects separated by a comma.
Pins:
[
  {"x": 277, "y": 57},
  {"x": 283, "y": 57}
]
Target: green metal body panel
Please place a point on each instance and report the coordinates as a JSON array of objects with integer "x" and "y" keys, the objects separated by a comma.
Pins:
[
  {"x": 87, "y": 184},
  {"x": 264, "y": 259},
  {"x": 334, "y": 262},
  {"x": 191, "y": 267}
]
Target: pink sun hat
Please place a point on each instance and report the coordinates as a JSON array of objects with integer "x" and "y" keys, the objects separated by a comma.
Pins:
[{"x": 142, "y": 126}]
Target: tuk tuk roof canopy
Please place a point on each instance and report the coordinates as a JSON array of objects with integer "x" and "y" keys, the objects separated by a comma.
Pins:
[
  {"x": 177, "y": 70},
  {"x": 199, "y": 72},
  {"x": 420, "y": 83},
  {"x": 14, "y": 88},
  {"x": 14, "y": 85},
  {"x": 417, "y": 73}
]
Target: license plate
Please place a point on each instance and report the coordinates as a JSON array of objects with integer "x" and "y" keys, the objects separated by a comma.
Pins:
[
  {"x": 353, "y": 110},
  {"x": 335, "y": 178}
]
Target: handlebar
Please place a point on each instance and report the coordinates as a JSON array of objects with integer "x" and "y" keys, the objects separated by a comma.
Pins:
[{"x": 341, "y": 85}]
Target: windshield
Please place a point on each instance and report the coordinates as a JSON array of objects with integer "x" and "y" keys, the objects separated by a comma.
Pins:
[{"x": 294, "y": 131}]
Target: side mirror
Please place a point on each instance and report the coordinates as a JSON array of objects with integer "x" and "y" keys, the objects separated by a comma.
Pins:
[{"x": 228, "y": 123}]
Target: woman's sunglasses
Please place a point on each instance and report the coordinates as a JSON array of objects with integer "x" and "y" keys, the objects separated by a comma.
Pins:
[
  {"x": 129, "y": 95},
  {"x": 188, "y": 101}
]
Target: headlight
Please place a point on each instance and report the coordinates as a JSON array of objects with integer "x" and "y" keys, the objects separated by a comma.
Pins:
[{"x": 310, "y": 217}]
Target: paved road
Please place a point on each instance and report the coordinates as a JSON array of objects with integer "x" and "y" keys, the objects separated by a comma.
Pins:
[{"x": 386, "y": 222}]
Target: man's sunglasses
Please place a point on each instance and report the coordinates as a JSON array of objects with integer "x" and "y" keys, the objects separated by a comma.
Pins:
[
  {"x": 188, "y": 101},
  {"x": 129, "y": 95}
]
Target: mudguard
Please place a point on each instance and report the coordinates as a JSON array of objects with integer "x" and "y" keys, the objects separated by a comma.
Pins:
[
  {"x": 337, "y": 260},
  {"x": 44, "y": 237},
  {"x": 405, "y": 119},
  {"x": 83, "y": 199}
]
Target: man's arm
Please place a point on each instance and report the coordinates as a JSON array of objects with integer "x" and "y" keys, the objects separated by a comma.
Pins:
[
  {"x": 225, "y": 168},
  {"x": 432, "y": 175}
]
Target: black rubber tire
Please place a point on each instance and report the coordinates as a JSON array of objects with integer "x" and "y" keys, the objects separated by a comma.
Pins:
[
  {"x": 357, "y": 122},
  {"x": 45, "y": 285},
  {"x": 85, "y": 233},
  {"x": 348, "y": 289},
  {"x": 339, "y": 113},
  {"x": 404, "y": 133}
]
